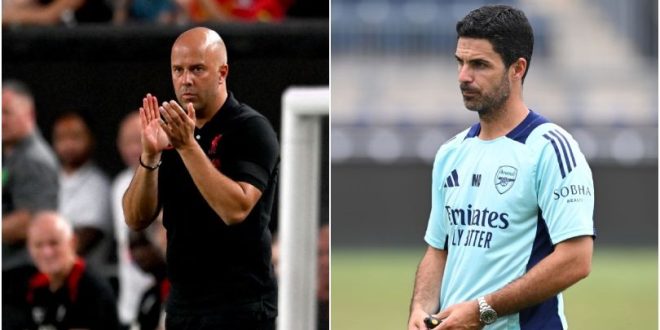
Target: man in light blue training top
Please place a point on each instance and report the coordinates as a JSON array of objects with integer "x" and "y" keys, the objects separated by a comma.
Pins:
[{"x": 511, "y": 222}]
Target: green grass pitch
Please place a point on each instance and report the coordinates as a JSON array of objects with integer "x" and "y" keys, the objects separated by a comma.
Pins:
[{"x": 371, "y": 290}]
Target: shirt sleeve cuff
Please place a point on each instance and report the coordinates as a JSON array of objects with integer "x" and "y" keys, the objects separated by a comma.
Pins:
[
  {"x": 252, "y": 173},
  {"x": 439, "y": 244}
]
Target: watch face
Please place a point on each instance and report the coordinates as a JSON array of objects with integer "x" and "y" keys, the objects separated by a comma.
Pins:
[{"x": 488, "y": 316}]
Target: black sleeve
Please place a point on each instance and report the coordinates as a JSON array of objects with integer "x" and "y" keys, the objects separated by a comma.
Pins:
[
  {"x": 16, "y": 312},
  {"x": 101, "y": 305},
  {"x": 256, "y": 153}
]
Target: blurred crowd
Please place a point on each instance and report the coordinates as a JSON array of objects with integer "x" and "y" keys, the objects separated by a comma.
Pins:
[
  {"x": 68, "y": 258},
  {"x": 74, "y": 12}
]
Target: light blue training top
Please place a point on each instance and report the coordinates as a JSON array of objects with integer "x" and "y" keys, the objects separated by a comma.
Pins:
[{"x": 500, "y": 206}]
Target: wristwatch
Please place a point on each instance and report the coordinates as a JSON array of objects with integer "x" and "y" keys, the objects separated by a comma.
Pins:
[{"x": 487, "y": 315}]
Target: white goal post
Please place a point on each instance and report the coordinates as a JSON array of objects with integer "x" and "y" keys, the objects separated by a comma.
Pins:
[{"x": 302, "y": 111}]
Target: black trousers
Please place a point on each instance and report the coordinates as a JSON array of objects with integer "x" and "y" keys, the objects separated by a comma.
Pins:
[{"x": 213, "y": 322}]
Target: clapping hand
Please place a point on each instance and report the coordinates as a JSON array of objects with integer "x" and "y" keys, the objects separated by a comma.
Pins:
[{"x": 154, "y": 139}]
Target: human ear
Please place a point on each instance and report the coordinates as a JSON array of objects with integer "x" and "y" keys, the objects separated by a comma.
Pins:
[
  {"x": 519, "y": 67},
  {"x": 73, "y": 242},
  {"x": 223, "y": 71}
]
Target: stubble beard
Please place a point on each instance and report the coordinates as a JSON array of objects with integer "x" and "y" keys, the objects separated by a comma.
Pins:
[
  {"x": 489, "y": 105},
  {"x": 184, "y": 104}
]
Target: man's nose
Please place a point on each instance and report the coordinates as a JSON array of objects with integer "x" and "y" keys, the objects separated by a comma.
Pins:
[
  {"x": 47, "y": 251},
  {"x": 187, "y": 77},
  {"x": 464, "y": 74}
]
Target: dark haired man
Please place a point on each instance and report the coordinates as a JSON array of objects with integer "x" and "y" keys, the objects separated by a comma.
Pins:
[
  {"x": 215, "y": 188},
  {"x": 84, "y": 190},
  {"x": 512, "y": 197}
]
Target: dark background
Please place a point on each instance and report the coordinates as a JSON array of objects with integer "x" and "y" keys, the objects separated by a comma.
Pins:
[{"x": 105, "y": 71}]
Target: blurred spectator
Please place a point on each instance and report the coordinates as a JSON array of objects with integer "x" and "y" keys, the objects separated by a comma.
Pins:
[
  {"x": 29, "y": 172},
  {"x": 153, "y": 11},
  {"x": 53, "y": 12},
  {"x": 323, "y": 285},
  {"x": 64, "y": 294},
  {"x": 234, "y": 10},
  {"x": 84, "y": 191},
  {"x": 275, "y": 254},
  {"x": 29, "y": 185},
  {"x": 148, "y": 250},
  {"x": 133, "y": 282}
]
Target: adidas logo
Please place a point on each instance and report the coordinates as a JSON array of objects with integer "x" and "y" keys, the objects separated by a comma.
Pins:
[{"x": 452, "y": 180}]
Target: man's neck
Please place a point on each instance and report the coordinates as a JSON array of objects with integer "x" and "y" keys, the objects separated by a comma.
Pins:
[
  {"x": 9, "y": 146},
  {"x": 69, "y": 169},
  {"x": 502, "y": 121},
  {"x": 56, "y": 281}
]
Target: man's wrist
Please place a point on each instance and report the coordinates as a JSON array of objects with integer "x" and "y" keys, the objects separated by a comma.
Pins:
[
  {"x": 188, "y": 149},
  {"x": 487, "y": 315},
  {"x": 149, "y": 158},
  {"x": 416, "y": 306},
  {"x": 150, "y": 163}
]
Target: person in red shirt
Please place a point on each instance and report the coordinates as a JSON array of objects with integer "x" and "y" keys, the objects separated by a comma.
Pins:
[{"x": 235, "y": 10}]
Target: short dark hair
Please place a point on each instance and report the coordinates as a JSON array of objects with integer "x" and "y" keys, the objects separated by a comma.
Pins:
[
  {"x": 18, "y": 87},
  {"x": 81, "y": 114},
  {"x": 507, "y": 29}
]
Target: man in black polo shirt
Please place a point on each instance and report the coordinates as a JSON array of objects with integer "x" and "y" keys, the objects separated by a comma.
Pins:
[{"x": 212, "y": 169}]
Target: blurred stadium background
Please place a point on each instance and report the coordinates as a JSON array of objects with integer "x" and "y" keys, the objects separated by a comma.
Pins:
[
  {"x": 105, "y": 70},
  {"x": 395, "y": 99}
]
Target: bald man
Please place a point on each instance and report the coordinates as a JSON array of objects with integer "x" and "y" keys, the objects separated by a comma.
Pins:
[
  {"x": 210, "y": 165},
  {"x": 64, "y": 294},
  {"x": 29, "y": 172}
]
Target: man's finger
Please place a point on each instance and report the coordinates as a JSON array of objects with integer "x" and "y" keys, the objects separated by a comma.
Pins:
[
  {"x": 178, "y": 111},
  {"x": 146, "y": 109},
  {"x": 153, "y": 112},
  {"x": 143, "y": 119},
  {"x": 191, "y": 112},
  {"x": 416, "y": 326},
  {"x": 171, "y": 114},
  {"x": 174, "y": 110},
  {"x": 166, "y": 128},
  {"x": 166, "y": 116},
  {"x": 154, "y": 106},
  {"x": 443, "y": 314}
]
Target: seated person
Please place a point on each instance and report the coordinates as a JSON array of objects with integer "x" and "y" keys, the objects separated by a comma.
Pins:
[
  {"x": 55, "y": 12},
  {"x": 148, "y": 251},
  {"x": 84, "y": 195},
  {"x": 64, "y": 294}
]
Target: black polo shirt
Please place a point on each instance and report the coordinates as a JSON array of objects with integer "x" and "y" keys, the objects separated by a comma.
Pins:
[
  {"x": 214, "y": 268},
  {"x": 85, "y": 301}
]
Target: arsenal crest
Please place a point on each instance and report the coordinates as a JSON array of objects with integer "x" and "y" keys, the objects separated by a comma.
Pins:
[{"x": 504, "y": 178}]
